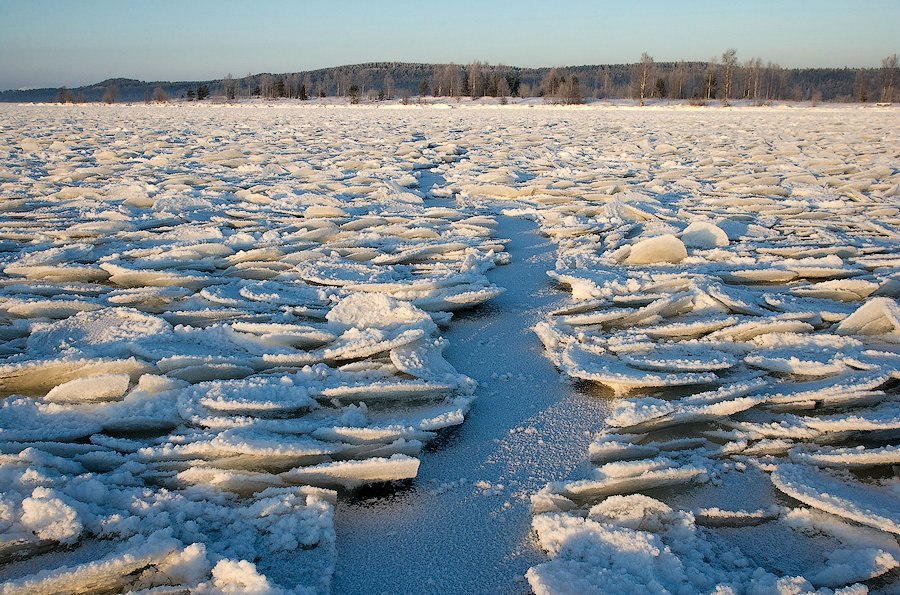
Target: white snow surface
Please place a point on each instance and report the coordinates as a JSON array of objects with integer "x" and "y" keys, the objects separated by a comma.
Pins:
[
  {"x": 740, "y": 291},
  {"x": 212, "y": 317},
  {"x": 203, "y": 335}
]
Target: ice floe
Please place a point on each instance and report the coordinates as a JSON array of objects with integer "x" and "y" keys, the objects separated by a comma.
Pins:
[
  {"x": 213, "y": 317},
  {"x": 201, "y": 338},
  {"x": 733, "y": 286}
]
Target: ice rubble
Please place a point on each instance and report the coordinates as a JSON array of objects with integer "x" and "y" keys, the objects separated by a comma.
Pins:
[
  {"x": 273, "y": 287},
  {"x": 741, "y": 291},
  {"x": 202, "y": 336}
]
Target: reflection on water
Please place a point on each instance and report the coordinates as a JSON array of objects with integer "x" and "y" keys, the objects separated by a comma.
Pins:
[
  {"x": 669, "y": 393},
  {"x": 480, "y": 312},
  {"x": 446, "y": 438},
  {"x": 377, "y": 495},
  {"x": 397, "y": 493}
]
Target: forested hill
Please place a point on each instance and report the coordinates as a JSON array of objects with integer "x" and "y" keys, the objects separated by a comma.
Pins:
[{"x": 702, "y": 81}]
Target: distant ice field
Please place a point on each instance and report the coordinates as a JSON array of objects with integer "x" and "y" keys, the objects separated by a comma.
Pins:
[{"x": 214, "y": 320}]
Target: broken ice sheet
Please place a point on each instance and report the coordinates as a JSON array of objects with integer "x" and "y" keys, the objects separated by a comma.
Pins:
[
  {"x": 192, "y": 341},
  {"x": 783, "y": 227},
  {"x": 742, "y": 308}
]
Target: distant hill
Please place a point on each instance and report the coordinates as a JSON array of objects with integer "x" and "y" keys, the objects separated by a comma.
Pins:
[
  {"x": 126, "y": 90},
  {"x": 675, "y": 80}
]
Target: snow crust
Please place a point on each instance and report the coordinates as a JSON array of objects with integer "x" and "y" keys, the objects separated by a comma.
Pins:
[
  {"x": 733, "y": 285},
  {"x": 208, "y": 326},
  {"x": 213, "y": 318}
]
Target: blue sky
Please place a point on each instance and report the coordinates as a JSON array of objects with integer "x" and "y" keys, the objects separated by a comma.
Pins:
[{"x": 71, "y": 42}]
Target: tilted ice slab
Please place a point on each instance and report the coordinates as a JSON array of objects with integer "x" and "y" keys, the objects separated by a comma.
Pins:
[
  {"x": 756, "y": 257},
  {"x": 879, "y": 317},
  {"x": 623, "y": 378},
  {"x": 154, "y": 562},
  {"x": 623, "y": 477},
  {"x": 639, "y": 544},
  {"x": 203, "y": 327},
  {"x": 249, "y": 249},
  {"x": 875, "y": 507},
  {"x": 649, "y": 413},
  {"x": 847, "y": 457}
]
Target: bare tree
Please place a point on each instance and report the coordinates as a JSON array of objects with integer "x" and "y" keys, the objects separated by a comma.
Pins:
[
  {"x": 228, "y": 87},
  {"x": 753, "y": 69},
  {"x": 502, "y": 87},
  {"x": 710, "y": 79},
  {"x": 570, "y": 92},
  {"x": 64, "y": 96},
  {"x": 388, "y": 86},
  {"x": 159, "y": 95},
  {"x": 454, "y": 80},
  {"x": 775, "y": 81},
  {"x": 267, "y": 86},
  {"x": 605, "y": 87},
  {"x": 644, "y": 68},
  {"x": 729, "y": 62},
  {"x": 438, "y": 82},
  {"x": 550, "y": 84},
  {"x": 293, "y": 85},
  {"x": 447, "y": 80},
  {"x": 474, "y": 74},
  {"x": 341, "y": 83},
  {"x": 559, "y": 88},
  {"x": 677, "y": 79},
  {"x": 111, "y": 93},
  {"x": 888, "y": 78},
  {"x": 862, "y": 86}
]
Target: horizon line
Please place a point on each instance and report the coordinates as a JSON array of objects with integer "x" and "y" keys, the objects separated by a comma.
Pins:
[{"x": 483, "y": 62}]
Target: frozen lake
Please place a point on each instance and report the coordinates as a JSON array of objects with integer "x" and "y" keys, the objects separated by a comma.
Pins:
[{"x": 588, "y": 349}]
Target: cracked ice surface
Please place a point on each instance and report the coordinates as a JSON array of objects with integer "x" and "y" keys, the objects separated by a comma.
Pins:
[
  {"x": 734, "y": 280},
  {"x": 210, "y": 320},
  {"x": 214, "y": 317}
]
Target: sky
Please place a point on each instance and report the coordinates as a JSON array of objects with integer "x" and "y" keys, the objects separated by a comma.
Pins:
[{"x": 49, "y": 43}]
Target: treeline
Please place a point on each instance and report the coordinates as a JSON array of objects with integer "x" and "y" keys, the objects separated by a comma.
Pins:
[
  {"x": 725, "y": 78},
  {"x": 110, "y": 91}
]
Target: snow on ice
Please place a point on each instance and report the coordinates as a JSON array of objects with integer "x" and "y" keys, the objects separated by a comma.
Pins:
[
  {"x": 208, "y": 326},
  {"x": 215, "y": 317},
  {"x": 733, "y": 281}
]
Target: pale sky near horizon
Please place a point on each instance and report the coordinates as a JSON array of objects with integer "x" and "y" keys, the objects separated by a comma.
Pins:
[{"x": 49, "y": 43}]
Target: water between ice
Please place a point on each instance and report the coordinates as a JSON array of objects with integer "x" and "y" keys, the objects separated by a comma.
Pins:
[{"x": 463, "y": 525}]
